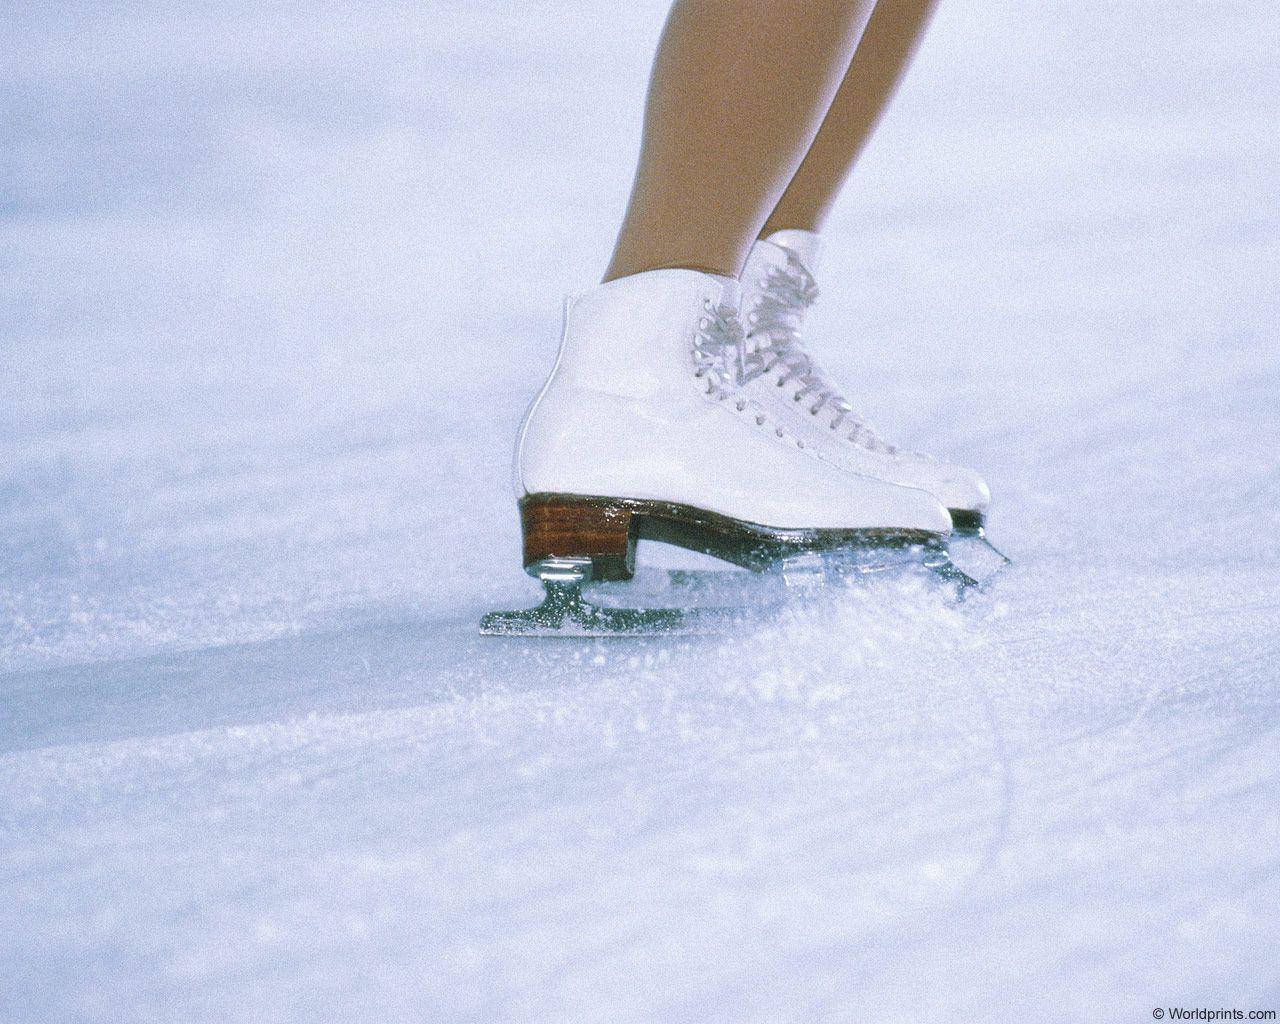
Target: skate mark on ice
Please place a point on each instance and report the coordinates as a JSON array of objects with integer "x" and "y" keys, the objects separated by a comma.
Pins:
[{"x": 1008, "y": 791}]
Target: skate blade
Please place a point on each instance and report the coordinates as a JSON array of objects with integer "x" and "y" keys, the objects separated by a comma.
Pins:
[
  {"x": 712, "y": 599},
  {"x": 789, "y": 578}
]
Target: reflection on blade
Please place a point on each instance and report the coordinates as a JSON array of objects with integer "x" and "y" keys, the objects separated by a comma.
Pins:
[{"x": 564, "y": 612}]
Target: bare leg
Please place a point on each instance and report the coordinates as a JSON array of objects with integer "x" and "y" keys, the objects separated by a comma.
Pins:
[
  {"x": 739, "y": 89},
  {"x": 892, "y": 35}
]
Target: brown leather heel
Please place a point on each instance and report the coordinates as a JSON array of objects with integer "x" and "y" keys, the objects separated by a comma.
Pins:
[{"x": 570, "y": 526}]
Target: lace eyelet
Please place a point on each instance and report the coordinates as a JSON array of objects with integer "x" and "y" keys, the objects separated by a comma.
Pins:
[
  {"x": 741, "y": 406},
  {"x": 760, "y": 421}
]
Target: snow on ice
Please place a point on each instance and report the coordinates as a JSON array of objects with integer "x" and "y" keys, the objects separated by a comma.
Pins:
[{"x": 277, "y": 282}]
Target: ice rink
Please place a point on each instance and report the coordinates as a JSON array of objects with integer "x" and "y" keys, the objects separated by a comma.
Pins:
[{"x": 276, "y": 284}]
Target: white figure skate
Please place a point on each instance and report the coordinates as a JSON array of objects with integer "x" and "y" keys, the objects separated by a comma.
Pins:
[
  {"x": 778, "y": 287},
  {"x": 641, "y": 432}
]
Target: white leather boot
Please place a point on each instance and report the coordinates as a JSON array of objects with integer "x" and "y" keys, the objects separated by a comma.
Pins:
[
  {"x": 778, "y": 287},
  {"x": 641, "y": 431}
]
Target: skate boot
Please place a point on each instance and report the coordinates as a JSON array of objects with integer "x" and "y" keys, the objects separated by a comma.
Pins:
[
  {"x": 642, "y": 432},
  {"x": 778, "y": 287}
]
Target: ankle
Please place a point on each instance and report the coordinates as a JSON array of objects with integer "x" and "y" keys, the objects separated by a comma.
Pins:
[{"x": 629, "y": 268}]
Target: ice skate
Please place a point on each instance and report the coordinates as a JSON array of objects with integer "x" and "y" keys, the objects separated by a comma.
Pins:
[
  {"x": 778, "y": 287},
  {"x": 642, "y": 432}
]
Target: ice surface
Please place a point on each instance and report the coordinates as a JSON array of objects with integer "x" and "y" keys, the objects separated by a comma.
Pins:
[{"x": 276, "y": 282}]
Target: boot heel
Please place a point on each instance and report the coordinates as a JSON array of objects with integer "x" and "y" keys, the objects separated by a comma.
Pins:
[{"x": 563, "y": 526}]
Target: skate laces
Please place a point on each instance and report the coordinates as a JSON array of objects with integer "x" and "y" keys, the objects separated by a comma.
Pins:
[
  {"x": 774, "y": 342},
  {"x": 718, "y": 349}
]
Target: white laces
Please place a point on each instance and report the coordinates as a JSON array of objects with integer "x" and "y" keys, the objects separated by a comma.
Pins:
[
  {"x": 719, "y": 354},
  {"x": 774, "y": 343},
  {"x": 718, "y": 349}
]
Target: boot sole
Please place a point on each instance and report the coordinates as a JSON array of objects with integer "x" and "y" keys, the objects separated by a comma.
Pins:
[{"x": 606, "y": 530}]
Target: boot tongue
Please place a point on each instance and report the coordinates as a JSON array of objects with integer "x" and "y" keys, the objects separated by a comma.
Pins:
[
  {"x": 730, "y": 292},
  {"x": 806, "y": 246},
  {"x": 729, "y": 305}
]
